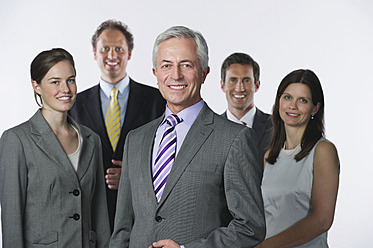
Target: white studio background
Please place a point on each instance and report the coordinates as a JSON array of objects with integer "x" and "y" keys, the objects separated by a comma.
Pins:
[{"x": 333, "y": 38}]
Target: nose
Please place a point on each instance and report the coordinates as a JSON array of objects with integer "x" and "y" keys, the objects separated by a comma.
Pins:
[
  {"x": 65, "y": 87},
  {"x": 176, "y": 73},
  {"x": 112, "y": 54},
  {"x": 293, "y": 104},
  {"x": 239, "y": 86}
]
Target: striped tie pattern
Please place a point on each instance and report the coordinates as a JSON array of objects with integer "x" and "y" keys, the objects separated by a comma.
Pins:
[
  {"x": 112, "y": 119},
  {"x": 165, "y": 155}
]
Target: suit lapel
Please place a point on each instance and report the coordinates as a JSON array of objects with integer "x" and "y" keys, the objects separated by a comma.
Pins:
[
  {"x": 147, "y": 147},
  {"x": 259, "y": 124},
  {"x": 196, "y": 137},
  {"x": 92, "y": 105},
  {"x": 86, "y": 152},
  {"x": 47, "y": 141}
]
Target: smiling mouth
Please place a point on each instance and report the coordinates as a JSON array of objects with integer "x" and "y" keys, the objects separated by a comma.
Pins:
[
  {"x": 112, "y": 63},
  {"x": 293, "y": 115},
  {"x": 239, "y": 96},
  {"x": 64, "y": 98},
  {"x": 177, "y": 87}
]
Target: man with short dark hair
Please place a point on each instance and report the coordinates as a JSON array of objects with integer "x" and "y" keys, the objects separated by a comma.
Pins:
[
  {"x": 191, "y": 178},
  {"x": 240, "y": 81},
  {"x": 117, "y": 104}
]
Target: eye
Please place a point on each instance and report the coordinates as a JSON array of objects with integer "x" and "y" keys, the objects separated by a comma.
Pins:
[
  {"x": 105, "y": 49},
  {"x": 165, "y": 66},
  {"x": 287, "y": 97},
  {"x": 186, "y": 65},
  {"x": 303, "y": 100},
  {"x": 119, "y": 49},
  {"x": 233, "y": 80},
  {"x": 54, "y": 82},
  {"x": 71, "y": 80},
  {"x": 247, "y": 80}
]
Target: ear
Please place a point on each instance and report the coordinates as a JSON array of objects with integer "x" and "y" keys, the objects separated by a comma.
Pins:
[
  {"x": 316, "y": 108},
  {"x": 222, "y": 85},
  {"x": 95, "y": 54},
  {"x": 257, "y": 85},
  {"x": 204, "y": 73},
  {"x": 36, "y": 87},
  {"x": 129, "y": 55},
  {"x": 154, "y": 71}
]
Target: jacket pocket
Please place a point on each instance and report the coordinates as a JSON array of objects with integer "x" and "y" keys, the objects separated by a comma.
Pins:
[
  {"x": 92, "y": 239},
  {"x": 44, "y": 239}
]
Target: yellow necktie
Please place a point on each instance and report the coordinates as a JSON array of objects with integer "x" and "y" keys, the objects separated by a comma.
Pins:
[{"x": 112, "y": 119}]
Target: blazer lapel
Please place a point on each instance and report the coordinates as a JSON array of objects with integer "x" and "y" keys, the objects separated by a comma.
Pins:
[
  {"x": 196, "y": 137},
  {"x": 46, "y": 140},
  {"x": 147, "y": 147},
  {"x": 259, "y": 124},
  {"x": 86, "y": 152},
  {"x": 93, "y": 107}
]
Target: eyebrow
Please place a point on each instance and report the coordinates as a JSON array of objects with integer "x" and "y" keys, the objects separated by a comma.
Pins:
[
  {"x": 55, "y": 78},
  {"x": 182, "y": 61},
  {"x": 298, "y": 97}
]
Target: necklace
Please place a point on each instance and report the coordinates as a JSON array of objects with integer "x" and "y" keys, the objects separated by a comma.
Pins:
[{"x": 290, "y": 152}]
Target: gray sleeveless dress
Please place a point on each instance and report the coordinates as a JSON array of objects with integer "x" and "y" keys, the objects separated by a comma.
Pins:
[{"x": 286, "y": 190}]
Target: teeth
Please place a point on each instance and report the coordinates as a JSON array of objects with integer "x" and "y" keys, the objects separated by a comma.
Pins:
[
  {"x": 293, "y": 114},
  {"x": 112, "y": 63},
  {"x": 239, "y": 96},
  {"x": 177, "y": 87},
  {"x": 64, "y": 98}
]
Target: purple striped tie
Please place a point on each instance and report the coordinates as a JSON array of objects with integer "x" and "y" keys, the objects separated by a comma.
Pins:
[{"x": 165, "y": 155}]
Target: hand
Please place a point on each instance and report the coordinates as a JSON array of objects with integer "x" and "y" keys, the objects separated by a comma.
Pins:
[
  {"x": 113, "y": 175},
  {"x": 165, "y": 243}
]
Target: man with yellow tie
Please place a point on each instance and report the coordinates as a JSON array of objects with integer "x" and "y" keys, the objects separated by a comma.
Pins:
[{"x": 117, "y": 104}]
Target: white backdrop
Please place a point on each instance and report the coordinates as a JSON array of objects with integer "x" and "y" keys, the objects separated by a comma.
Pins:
[{"x": 334, "y": 38}]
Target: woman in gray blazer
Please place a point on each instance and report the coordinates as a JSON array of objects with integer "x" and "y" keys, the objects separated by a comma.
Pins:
[{"x": 52, "y": 189}]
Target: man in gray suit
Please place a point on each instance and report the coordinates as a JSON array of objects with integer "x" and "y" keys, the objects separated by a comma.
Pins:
[
  {"x": 240, "y": 81},
  {"x": 209, "y": 193}
]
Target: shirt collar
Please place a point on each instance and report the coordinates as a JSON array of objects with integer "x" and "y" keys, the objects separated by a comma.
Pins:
[
  {"x": 248, "y": 118},
  {"x": 189, "y": 114},
  {"x": 121, "y": 85}
]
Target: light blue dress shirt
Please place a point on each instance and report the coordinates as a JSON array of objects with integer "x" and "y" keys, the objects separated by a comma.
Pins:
[{"x": 124, "y": 90}]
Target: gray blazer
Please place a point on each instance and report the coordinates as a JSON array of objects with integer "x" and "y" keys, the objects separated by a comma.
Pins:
[
  {"x": 262, "y": 126},
  {"x": 212, "y": 197},
  {"x": 44, "y": 202}
]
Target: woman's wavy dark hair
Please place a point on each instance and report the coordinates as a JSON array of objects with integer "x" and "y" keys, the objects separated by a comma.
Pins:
[{"x": 315, "y": 127}]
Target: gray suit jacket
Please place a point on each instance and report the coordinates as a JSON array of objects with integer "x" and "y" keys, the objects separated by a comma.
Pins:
[
  {"x": 212, "y": 197},
  {"x": 44, "y": 202},
  {"x": 262, "y": 126}
]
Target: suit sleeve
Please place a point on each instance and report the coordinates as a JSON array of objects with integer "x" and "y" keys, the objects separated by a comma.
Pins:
[
  {"x": 242, "y": 186},
  {"x": 100, "y": 213},
  {"x": 13, "y": 187},
  {"x": 124, "y": 216}
]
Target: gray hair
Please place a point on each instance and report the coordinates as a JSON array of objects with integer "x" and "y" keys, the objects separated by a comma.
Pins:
[{"x": 184, "y": 32}]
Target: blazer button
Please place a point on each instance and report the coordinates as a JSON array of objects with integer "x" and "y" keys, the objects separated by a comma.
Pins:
[
  {"x": 76, "y": 217},
  {"x": 158, "y": 219},
  {"x": 76, "y": 192}
]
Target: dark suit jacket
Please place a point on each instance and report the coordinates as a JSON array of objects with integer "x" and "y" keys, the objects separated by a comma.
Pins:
[
  {"x": 145, "y": 103},
  {"x": 212, "y": 198},
  {"x": 262, "y": 126},
  {"x": 44, "y": 202}
]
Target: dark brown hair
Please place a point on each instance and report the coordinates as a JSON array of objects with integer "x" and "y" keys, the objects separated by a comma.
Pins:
[
  {"x": 315, "y": 127},
  {"x": 242, "y": 59}
]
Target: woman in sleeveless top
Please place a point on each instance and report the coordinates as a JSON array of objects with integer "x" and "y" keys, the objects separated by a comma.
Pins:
[
  {"x": 301, "y": 173},
  {"x": 52, "y": 188}
]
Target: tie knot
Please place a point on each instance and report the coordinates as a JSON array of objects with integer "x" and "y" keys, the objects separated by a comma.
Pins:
[
  {"x": 173, "y": 120},
  {"x": 114, "y": 92}
]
